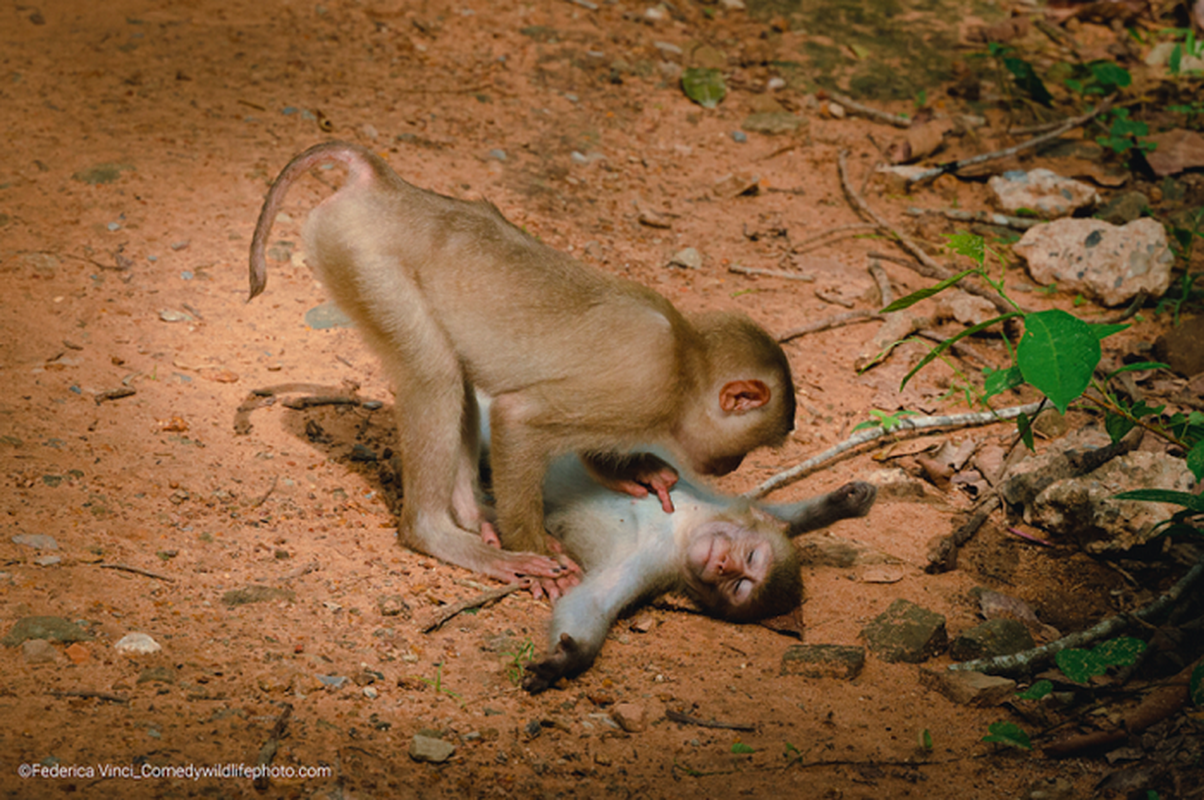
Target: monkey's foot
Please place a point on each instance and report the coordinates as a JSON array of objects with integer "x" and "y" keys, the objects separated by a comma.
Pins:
[
  {"x": 636, "y": 475},
  {"x": 567, "y": 659},
  {"x": 853, "y": 499}
]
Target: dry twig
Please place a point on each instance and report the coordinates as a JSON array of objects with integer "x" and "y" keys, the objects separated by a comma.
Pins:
[
  {"x": 898, "y": 120},
  {"x": 955, "y": 166},
  {"x": 444, "y": 613},
  {"x": 770, "y": 273},
  {"x": 928, "y": 266},
  {"x": 137, "y": 571},
  {"x": 686, "y": 719},
  {"x": 904, "y": 425},
  {"x": 847, "y": 318},
  {"x": 1024, "y": 662}
]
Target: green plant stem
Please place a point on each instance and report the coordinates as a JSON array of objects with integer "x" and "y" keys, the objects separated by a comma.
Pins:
[{"x": 1107, "y": 405}]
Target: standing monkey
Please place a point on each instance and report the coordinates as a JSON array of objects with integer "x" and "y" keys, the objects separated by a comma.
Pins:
[{"x": 453, "y": 297}]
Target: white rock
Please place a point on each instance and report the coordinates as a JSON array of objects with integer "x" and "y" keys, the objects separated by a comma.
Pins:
[
  {"x": 687, "y": 258},
  {"x": 1104, "y": 261},
  {"x": 1043, "y": 191},
  {"x": 137, "y": 643}
]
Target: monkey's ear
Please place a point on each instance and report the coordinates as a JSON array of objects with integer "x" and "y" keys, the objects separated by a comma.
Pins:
[{"x": 737, "y": 397}]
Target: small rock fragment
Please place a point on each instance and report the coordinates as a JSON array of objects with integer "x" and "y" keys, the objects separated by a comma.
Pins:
[
  {"x": 995, "y": 637},
  {"x": 137, "y": 643},
  {"x": 1043, "y": 191},
  {"x": 38, "y": 541},
  {"x": 1106, "y": 262},
  {"x": 429, "y": 749},
  {"x": 823, "y": 661},
  {"x": 78, "y": 653},
  {"x": 38, "y": 651},
  {"x": 906, "y": 632},
  {"x": 968, "y": 688},
  {"x": 686, "y": 258},
  {"x": 54, "y": 629},
  {"x": 631, "y": 717}
]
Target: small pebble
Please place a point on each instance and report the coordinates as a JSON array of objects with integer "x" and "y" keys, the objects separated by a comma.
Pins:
[
  {"x": 137, "y": 643},
  {"x": 739, "y": 136}
]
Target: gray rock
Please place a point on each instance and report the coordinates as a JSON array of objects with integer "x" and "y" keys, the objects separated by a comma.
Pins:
[
  {"x": 968, "y": 688},
  {"x": 257, "y": 594},
  {"x": 327, "y": 316},
  {"x": 687, "y": 258},
  {"x": 823, "y": 661},
  {"x": 631, "y": 717},
  {"x": 52, "y": 629},
  {"x": 38, "y": 541},
  {"x": 393, "y": 605},
  {"x": 906, "y": 632},
  {"x": 1183, "y": 347},
  {"x": 995, "y": 637},
  {"x": 1085, "y": 508},
  {"x": 1123, "y": 208},
  {"x": 772, "y": 123},
  {"x": 39, "y": 651},
  {"x": 333, "y": 681},
  {"x": 137, "y": 643},
  {"x": 1108, "y": 263},
  {"x": 1042, "y": 191},
  {"x": 48, "y": 561}
]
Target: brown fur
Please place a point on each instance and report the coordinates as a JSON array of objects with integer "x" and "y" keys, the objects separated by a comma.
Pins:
[{"x": 451, "y": 296}]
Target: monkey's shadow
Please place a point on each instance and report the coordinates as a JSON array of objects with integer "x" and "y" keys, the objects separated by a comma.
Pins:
[
  {"x": 356, "y": 433},
  {"x": 359, "y": 434}
]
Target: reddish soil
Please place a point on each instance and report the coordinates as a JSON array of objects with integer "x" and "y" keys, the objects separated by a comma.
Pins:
[{"x": 141, "y": 137}]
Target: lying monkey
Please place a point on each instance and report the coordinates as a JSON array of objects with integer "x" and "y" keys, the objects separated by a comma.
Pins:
[
  {"x": 453, "y": 297},
  {"x": 734, "y": 558}
]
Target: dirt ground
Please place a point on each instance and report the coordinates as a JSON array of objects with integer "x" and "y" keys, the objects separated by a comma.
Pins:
[{"x": 141, "y": 136}]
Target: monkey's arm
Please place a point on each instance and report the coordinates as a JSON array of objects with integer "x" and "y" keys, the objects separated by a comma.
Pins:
[
  {"x": 635, "y": 474},
  {"x": 581, "y": 620},
  {"x": 851, "y": 500}
]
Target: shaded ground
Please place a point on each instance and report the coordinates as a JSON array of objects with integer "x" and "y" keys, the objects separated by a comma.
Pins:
[{"x": 141, "y": 138}]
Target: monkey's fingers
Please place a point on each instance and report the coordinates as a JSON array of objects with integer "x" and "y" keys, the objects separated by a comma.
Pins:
[
  {"x": 489, "y": 535},
  {"x": 556, "y": 547}
]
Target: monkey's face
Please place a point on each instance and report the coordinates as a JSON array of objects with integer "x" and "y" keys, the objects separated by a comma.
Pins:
[{"x": 729, "y": 561}]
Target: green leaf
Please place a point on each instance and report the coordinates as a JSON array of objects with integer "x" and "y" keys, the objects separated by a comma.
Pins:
[
  {"x": 1028, "y": 80},
  {"x": 923, "y": 294},
  {"x": 1008, "y": 733},
  {"x": 1193, "y": 502},
  {"x": 704, "y": 86},
  {"x": 1057, "y": 355},
  {"x": 1079, "y": 665},
  {"x": 1119, "y": 652},
  {"x": 742, "y": 748},
  {"x": 1000, "y": 380},
  {"x": 1037, "y": 691},
  {"x": 1110, "y": 75},
  {"x": 1103, "y": 330},
  {"x": 1117, "y": 426},
  {"x": 1195, "y": 685},
  {"x": 925, "y": 739},
  {"x": 967, "y": 244},
  {"x": 1138, "y": 366},
  {"x": 945, "y": 345},
  {"x": 1195, "y": 460},
  {"x": 1025, "y": 426}
]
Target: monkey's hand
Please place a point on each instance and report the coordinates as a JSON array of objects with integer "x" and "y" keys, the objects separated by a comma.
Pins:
[
  {"x": 567, "y": 573},
  {"x": 636, "y": 474},
  {"x": 568, "y": 658}
]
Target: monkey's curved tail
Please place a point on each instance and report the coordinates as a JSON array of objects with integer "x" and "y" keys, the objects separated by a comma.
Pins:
[{"x": 355, "y": 157}]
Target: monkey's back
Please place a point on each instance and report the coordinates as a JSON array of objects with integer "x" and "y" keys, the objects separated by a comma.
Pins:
[{"x": 520, "y": 316}]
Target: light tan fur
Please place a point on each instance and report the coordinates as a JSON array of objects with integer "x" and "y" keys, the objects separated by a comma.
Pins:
[{"x": 453, "y": 297}]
